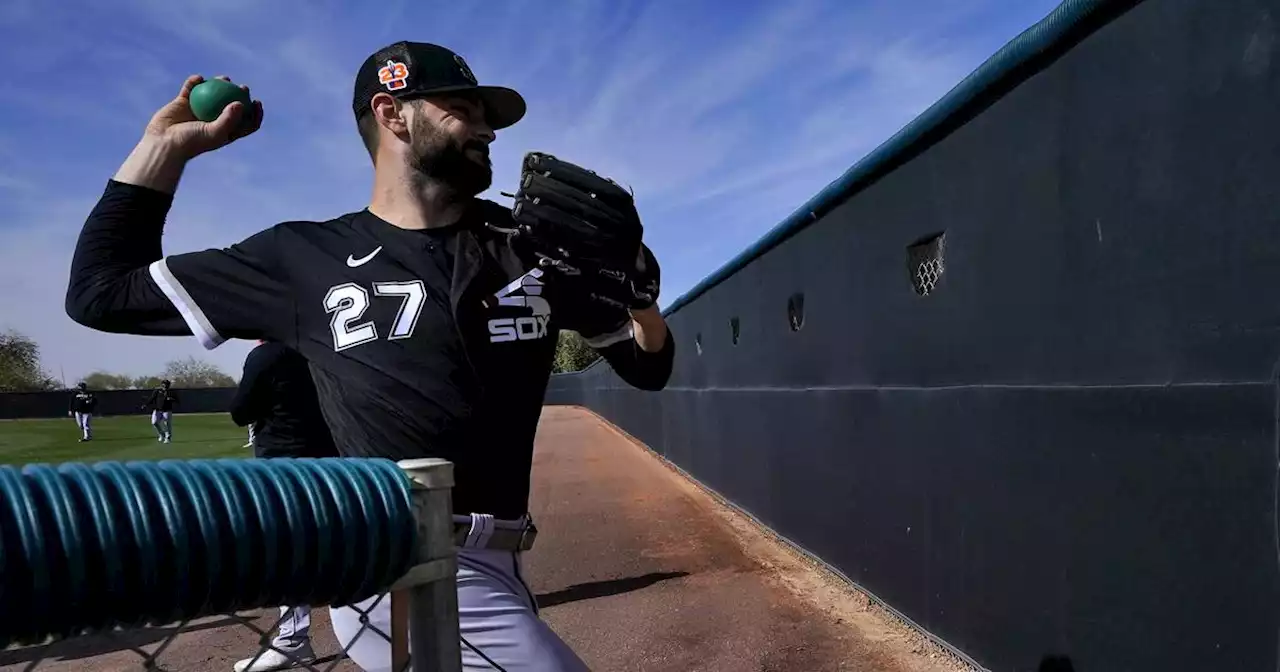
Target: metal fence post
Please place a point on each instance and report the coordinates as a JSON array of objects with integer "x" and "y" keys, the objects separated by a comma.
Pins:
[{"x": 431, "y": 586}]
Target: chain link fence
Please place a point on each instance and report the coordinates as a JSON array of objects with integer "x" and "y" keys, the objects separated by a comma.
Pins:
[
  {"x": 48, "y": 520},
  {"x": 235, "y": 641}
]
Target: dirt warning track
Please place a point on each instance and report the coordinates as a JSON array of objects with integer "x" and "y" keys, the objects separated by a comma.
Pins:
[
  {"x": 640, "y": 569},
  {"x": 636, "y": 567}
]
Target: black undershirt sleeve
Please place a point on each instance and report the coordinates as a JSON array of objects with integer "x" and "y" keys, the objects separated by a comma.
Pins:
[
  {"x": 111, "y": 287},
  {"x": 609, "y": 332},
  {"x": 121, "y": 282},
  {"x": 639, "y": 368}
]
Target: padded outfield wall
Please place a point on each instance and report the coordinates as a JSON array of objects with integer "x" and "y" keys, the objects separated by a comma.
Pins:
[
  {"x": 20, "y": 405},
  {"x": 1066, "y": 443}
]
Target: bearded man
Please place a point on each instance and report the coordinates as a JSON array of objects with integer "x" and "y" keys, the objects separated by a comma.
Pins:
[{"x": 428, "y": 333}]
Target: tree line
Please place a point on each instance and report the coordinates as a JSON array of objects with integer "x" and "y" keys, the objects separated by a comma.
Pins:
[
  {"x": 572, "y": 353},
  {"x": 183, "y": 373},
  {"x": 22, "y": 371}
]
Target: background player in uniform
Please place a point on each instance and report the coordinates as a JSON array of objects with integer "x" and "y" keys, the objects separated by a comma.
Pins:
[
  {"x": 430, "y": 331},
  {"x": 161, "y": 403},
  {"x": 83, "y": 403},
  {"x": 277, "y": 395}
]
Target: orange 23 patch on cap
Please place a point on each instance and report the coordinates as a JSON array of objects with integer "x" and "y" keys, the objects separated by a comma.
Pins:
[{"x": 393, "y": 75}]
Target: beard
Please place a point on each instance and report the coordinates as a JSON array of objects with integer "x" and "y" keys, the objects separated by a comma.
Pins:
[{"x": 438, "y": 157}]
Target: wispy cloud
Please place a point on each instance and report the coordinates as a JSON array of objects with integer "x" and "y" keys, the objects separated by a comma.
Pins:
[
  {"x": 723, "y": 117},
  {"x": 9, "y": 182}
]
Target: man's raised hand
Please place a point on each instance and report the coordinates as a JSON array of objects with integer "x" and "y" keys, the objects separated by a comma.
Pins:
[{"x": 176, "y": 125}]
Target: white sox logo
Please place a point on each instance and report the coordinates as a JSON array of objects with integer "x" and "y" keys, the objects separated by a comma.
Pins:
[
  {"x": 525, "y": 291},
  {"x": 466, "y": 69}
]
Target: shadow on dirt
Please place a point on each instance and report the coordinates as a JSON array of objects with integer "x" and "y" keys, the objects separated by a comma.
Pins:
[
  {"x": 594, "y": 589},
  {"x": 89, "y": 646}
]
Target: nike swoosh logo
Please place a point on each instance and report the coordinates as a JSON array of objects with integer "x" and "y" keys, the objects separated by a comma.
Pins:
[{"x": 353, "y": 262}]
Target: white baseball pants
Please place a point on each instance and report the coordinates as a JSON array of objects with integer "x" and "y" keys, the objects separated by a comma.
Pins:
[
  {"x": 85, "y": 422},
  {"x": 295, "y": 627},
  {"x": 497, "y": 615},
  {"x": 163, "y": 422}
]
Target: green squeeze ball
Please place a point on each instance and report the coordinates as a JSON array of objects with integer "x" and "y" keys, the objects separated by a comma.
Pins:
[{"x": 210, "y": 96}]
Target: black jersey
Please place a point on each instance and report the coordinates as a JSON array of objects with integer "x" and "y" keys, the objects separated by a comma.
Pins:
[
  {"x": 161, "y": 399},
  {"x": 431, "y": 343},
  {"x": 83, "y": 401},
  {"x": 276, "y": 396}
]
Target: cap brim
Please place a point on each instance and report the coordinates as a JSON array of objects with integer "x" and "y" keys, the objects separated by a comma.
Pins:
[{"x": 502, "y": 106}]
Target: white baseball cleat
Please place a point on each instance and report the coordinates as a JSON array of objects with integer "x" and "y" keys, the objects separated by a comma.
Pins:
[{"x": 271, "y": 659}]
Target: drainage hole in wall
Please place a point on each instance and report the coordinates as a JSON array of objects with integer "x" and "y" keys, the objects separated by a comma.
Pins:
[
  {"x": 795, "y": 311},
  {"x": 925, "y": 263}
]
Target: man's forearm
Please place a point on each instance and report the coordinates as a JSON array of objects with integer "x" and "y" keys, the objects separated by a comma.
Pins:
[
  {"x": 645, "y": 359},
  {"x": 650, "y": 329},
  {"x": 154, "y": 164}
]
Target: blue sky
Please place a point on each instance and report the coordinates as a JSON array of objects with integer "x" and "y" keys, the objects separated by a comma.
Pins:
[{"x": 723, "y": 116}]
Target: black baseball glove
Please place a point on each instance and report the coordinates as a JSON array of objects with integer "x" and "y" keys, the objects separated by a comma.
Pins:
[{"x": 585, "y": 226}]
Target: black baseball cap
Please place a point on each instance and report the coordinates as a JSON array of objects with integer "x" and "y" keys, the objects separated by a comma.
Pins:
[{"x": 416, "y": 69}]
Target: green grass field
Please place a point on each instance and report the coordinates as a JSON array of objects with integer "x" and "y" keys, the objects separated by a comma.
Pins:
[{"x": 121, "y": 438}]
